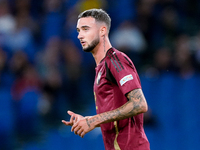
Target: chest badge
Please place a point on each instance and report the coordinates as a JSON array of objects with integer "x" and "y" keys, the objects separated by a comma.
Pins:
[{"x": 98, "y": 77}]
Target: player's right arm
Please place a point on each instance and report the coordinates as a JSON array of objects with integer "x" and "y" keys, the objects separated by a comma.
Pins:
[{"x": 135, "y": 105}]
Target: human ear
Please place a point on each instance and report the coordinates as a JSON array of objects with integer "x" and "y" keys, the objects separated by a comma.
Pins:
[{"x": 103, "y": 31}]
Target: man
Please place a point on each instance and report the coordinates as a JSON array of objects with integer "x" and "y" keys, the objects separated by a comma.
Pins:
[{"x": 120, "y": 102}]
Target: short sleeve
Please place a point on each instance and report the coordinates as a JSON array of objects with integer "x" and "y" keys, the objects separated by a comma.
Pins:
[{"x": 124, "y": 72}]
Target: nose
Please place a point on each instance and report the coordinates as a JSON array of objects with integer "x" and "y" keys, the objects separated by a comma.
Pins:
[{"x": 80, "y": 36}]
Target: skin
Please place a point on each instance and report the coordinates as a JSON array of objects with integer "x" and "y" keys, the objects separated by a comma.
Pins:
[{"x": 89, "y": 31}]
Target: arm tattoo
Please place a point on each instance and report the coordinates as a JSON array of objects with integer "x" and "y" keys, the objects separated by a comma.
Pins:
[
  {"x": 137, "y": 99},
  {"x": 87, "y": 122},
  {"x": 134, "y": 106}
]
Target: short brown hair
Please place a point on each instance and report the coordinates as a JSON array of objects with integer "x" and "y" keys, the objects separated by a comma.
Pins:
[{"x": 98, "y": 14}]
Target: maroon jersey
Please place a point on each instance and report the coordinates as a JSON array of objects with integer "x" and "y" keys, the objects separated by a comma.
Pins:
[{"x": 115, "y": 77}]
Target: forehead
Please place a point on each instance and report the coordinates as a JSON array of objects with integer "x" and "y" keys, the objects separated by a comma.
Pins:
[{"x": 86, "y": 21}]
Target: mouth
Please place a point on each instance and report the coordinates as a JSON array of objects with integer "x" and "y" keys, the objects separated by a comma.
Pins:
[{"x": 83, "y": 43}]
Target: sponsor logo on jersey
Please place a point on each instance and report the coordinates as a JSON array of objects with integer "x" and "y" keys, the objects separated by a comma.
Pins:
[{"x": 125, "y": 79}]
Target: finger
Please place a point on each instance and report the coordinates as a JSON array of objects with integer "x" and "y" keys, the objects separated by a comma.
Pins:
[
  {"x": 80, "y": 131},
  {"x": 73, "y": 127},
  {"x": 74, "y": 122},
  {"x": 70, "y": 112},
  {"x": 72, "y": 119},
  {"x": 76, "y": 119},
  {"x": 66, "y": 123},
  {"x": 77, "y": 129},
  {"x": 82, "y": 134}
]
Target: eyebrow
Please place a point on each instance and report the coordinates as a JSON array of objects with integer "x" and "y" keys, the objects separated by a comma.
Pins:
[{"x": 83, "y": 27}]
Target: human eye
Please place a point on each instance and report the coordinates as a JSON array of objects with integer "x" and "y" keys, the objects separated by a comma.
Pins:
[{"x": 86, "y": 28}]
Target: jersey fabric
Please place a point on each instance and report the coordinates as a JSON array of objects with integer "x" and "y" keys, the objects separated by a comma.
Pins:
[{"x": 115, "y": 77}]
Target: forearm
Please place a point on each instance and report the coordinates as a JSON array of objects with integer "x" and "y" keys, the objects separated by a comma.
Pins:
[
  {"x": 135, "y": 105},
  {"x": 120, "y": 113}
]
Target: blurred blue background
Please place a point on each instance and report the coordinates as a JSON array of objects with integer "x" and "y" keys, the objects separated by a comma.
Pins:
[{"x": 44, "y": 72}]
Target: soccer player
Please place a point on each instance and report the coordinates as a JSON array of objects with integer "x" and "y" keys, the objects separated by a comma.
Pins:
[{"x": 120, "y": 102}]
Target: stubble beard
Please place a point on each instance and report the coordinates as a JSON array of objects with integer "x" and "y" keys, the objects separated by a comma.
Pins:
[{"x": 91, "y": 46}]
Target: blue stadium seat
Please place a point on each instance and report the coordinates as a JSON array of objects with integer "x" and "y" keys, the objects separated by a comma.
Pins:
[
  {"x": 55, "y": 139},
  {"x": 188, "y": 103},
  {"x": 28, "y": 119},
  {"x": 94, "y": 140},
  {"x": 167, "y": 110},
  {"x": 6, "y": 120},
  {"x": 159, "y": 92},
  {"x": 32, "y": 145}
]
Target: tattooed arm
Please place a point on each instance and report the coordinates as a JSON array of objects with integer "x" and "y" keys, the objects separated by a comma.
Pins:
[{"x": 136, "y": 105}]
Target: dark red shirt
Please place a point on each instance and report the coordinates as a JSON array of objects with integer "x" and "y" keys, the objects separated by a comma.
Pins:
[{"x": 115, "y": 77}]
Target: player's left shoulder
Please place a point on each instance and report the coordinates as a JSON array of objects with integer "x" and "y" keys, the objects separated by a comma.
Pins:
[
  {"x": 123, "y": 57},
  {"x": 116, "y": 54}
]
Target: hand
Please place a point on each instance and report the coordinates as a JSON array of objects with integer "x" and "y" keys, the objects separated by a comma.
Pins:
[
  {"x": 82, "y": 127},
  {"x": 74, "y": 118}
]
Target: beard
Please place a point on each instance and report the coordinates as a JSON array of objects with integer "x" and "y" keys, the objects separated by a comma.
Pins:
[{"x": 91, "y": 46}]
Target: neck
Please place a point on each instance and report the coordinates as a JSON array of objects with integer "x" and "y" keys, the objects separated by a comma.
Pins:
[{"x": 100, "y": 50}]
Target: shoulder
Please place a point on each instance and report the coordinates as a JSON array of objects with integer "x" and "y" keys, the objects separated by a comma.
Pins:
[
  {"x": 117, "y": 59},
  {"x": 114, "y": 52}
]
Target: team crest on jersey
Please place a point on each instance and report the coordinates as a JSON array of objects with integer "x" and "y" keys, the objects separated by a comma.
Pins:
[{"x": 98, "y": 77}]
